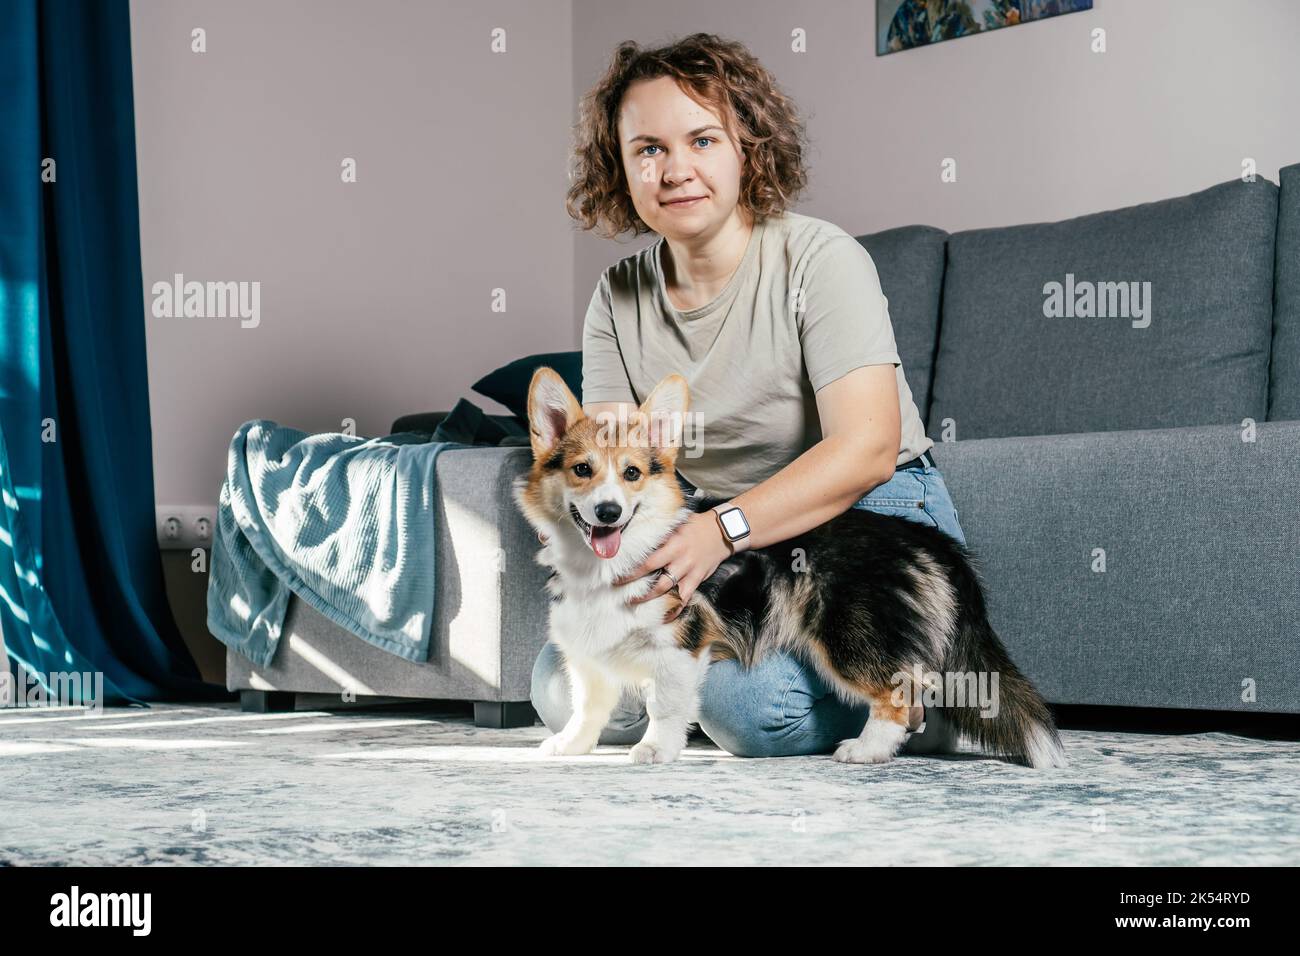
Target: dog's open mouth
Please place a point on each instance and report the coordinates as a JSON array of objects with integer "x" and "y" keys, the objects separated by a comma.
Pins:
[{"x": 602, "y": 539}]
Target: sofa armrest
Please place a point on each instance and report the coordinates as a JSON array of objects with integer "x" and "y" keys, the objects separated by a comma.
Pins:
[
  {"x": 491, "y": 610},
  {"x": 1199, "y": 599}
]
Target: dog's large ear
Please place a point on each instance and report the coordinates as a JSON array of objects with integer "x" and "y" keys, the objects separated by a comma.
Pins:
[
  {"x": 664, "y": 413},
  {"x": 552, "y": 410}
]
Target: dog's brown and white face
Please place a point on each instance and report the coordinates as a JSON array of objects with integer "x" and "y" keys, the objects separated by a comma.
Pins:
[{"x": 603, "y": 482}]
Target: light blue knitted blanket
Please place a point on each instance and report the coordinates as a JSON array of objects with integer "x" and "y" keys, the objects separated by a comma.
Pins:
[{"x": 344, "y": 522}]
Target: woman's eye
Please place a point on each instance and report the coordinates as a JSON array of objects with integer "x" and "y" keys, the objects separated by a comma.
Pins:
[
  {"x": 699, "y": 139},
  {"x": 632, "y": 473},
  {"x": 582, "y": 469}
]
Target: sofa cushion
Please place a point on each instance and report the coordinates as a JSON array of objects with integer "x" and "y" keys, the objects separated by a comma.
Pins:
[
  {"x": 509, "y": 384},
  {"x": 1172, "y": 514},
  {"x": 909, "y": 261},
  {"x": 1198, "y": 356},
  {"x": 1284, "y": 377}
]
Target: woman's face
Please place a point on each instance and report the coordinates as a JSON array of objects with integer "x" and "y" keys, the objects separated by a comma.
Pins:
[{"x": 674, "y": 147}]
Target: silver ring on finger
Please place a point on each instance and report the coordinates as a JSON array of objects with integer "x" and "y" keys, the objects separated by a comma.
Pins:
[{"x": 671, "y": 575}]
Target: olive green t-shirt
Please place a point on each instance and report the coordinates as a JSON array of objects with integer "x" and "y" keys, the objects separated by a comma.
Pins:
[{"x": 752, "y": 358}]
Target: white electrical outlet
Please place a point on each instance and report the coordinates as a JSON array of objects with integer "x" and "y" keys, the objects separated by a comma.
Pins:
[{"x": 186, "y": 527}]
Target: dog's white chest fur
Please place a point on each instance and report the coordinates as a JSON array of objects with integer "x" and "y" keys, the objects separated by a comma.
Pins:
[
  {"x": 610, "y": 644},
  {"x": 592, "y": 618}
]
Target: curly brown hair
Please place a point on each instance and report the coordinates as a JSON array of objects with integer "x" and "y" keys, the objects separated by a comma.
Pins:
[{"x": 721, "y": 73}]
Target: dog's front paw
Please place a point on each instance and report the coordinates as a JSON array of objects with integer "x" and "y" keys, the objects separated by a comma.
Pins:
[
  {"x": 857, "y": 750},
  {"x": 649, "y": 751},
  {"x": 561, "y": 745}
]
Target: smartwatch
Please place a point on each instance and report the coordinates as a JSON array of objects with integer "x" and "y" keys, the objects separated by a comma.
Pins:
[{"x": 735, "y": 529}]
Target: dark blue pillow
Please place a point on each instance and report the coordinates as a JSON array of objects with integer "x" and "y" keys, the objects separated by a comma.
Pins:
[{"x": 509, "y": 384}]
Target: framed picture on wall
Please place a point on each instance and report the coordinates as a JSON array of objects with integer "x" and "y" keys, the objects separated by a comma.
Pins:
[{"x": 903, "y": 24}]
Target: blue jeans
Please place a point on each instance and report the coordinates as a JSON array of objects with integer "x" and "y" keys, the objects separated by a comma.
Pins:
[{"x": 780, "y": 707}]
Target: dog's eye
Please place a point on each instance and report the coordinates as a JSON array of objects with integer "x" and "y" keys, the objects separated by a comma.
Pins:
[
  {"x": 632, "y": 473},
  {"x": 582, "y": 469}
]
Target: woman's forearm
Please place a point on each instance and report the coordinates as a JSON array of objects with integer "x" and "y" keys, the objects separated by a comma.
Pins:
[{"x": 821, "y": 483}]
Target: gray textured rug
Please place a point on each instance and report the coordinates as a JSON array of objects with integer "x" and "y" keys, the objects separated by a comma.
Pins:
[{"x": 206, "y": 784}]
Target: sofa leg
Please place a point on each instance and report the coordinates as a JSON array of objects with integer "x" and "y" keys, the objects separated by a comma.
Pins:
[
  {"x": 504, "y": 713},
  {"x": 265, "y": 701}
]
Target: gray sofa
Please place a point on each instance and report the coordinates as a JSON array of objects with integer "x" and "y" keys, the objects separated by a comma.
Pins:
[{"x": 1129, "y": 484}]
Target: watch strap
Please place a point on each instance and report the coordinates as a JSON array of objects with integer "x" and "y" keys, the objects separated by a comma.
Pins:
[{"x": 736, "y": 545}]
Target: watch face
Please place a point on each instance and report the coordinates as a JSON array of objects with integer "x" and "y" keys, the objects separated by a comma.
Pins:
[{"x": 735, "y": 524}]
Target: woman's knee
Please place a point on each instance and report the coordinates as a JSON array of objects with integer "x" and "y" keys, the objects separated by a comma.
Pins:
[
  {"x": 739, "y": 707},
  {"x": 550, "y": 688}
]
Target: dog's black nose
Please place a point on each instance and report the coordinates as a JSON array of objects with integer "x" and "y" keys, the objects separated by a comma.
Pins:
[{"x": 608, "y": 512}]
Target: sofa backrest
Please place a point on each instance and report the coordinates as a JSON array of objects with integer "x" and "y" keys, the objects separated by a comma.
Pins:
[
  {"x": 1284, "y": 377},
  {"x": 909, "y": 261},
  {"x": 1153, "y": 316}
]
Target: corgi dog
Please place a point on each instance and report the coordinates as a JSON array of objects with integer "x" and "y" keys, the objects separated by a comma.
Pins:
[{"x": 886, "y": 609}]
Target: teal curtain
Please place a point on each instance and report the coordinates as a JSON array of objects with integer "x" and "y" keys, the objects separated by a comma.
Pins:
[{"x": 80, "y": 570}]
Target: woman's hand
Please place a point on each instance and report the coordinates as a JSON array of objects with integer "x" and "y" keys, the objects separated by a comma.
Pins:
[{"x": 692, "y": 553}]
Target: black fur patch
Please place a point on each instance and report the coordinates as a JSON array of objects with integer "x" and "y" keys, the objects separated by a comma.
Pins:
[
  {"x": 851, "y": 593},
  {"x": 692, "y": 633}
]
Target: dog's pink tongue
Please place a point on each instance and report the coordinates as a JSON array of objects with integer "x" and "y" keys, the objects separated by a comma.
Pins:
[{"x": 605, "y": 541}]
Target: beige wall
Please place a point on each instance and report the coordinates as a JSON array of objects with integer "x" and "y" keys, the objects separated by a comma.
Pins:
[{"x": 376, "y": 296}]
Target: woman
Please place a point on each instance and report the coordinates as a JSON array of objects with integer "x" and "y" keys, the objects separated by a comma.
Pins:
[{"x": 780, "y": 326}]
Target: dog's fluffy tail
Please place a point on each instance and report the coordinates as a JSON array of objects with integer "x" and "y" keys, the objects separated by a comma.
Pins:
[{"x": 1019, "y": 726}]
